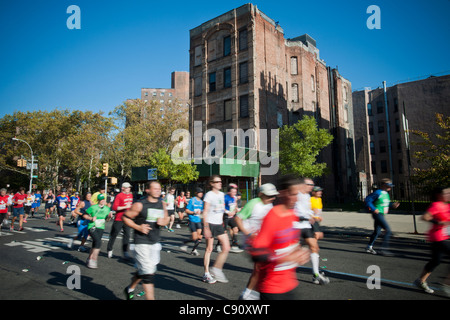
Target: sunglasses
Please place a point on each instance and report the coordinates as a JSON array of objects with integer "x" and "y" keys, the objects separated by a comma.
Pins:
[
  {"x": 310, "y": 184},
  {"x": 216, "y": 181}
]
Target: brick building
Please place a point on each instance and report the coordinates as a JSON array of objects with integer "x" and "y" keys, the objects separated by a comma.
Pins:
[
  {"x": 245, "y": 75},
  {"x": 179, "y": 90},
  {"x": 418, "y": 101}
]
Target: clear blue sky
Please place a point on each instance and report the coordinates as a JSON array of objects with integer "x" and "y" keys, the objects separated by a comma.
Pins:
[{"x": 123, "y": 46}]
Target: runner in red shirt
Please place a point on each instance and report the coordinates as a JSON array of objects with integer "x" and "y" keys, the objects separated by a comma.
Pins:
[
  {"x": 18, "y": 210},
  {"x": 122, "y": 203},
  {"x": 439, "y": 215},
  {"x": 277, "y": 247},
  {"x": 3, "y": 206}
]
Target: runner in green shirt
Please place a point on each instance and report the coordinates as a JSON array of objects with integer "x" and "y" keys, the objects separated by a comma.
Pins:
[{"x": 97, "y": 215}]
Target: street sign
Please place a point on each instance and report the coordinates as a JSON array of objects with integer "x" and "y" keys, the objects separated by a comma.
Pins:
[
  {"x": 152, "y": 174},
  {"x": 35, "y": 177}
]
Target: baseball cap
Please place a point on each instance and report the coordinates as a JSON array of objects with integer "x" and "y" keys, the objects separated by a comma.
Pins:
[
  {"x": 198, "y": 190},
  {"x": 268, "y": 189},
  {"x": 316, "y": 188},
  {"x": 101, "y": 197},
  {"x": 126, "y": 185}
]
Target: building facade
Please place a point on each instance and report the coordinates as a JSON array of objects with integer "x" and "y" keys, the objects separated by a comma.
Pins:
[
  {"x": 245, "y": 75},
  {"x": 179, "y": 91},
  {"x": 381, "y": 128}
]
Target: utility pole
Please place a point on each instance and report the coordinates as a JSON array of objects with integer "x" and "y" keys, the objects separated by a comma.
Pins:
[{"x": 391, "y": 172}]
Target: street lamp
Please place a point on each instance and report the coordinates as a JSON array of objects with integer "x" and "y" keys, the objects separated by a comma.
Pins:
[{"x": 32, "y": 160}]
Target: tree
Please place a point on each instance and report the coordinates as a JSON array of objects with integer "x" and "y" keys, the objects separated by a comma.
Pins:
[
  {"x": 142, "y": 129},
  {"x": 300, "y": 144},
  {"x": 433, "y": 155},
  {"x": 166, "y": 168}
]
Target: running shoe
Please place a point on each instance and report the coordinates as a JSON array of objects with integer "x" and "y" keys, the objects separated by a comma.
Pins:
[
  {"x": 195, "y": 253},
  {"x": 370, "y": 250},
  {"x": 110, "y": 254},
  {"x": 236, "y": 249},
  {"x": 320, "y": 278},
  {"x": 170, "y": 230},
  {"x": 183, "y": 248},
  {"x": 128, "y": 295},
  {"x": 219, "y": 275},
  {"x": 208, "y": 278},
  {"x": 423, "y": 285}
]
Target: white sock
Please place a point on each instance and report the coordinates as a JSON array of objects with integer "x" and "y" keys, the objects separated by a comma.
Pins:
[{"x": 315, "y": 262}]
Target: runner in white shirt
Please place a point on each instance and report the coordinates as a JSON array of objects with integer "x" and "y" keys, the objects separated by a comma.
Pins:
[
  {"x": 214, "y": 209},
  {"x": 306, "y": 217},
  {"x": 170, "y": 201}
]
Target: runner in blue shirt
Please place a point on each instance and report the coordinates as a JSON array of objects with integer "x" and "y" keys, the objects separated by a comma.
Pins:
[
  {"x": 62, "y": 204},
  {"x": 73, "y": 204},
  {"x": 194, "y": 210},
  {"x": 37, "y": 202}
]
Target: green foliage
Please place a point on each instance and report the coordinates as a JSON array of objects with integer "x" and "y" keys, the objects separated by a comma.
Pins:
[
  {"x": 300, "y": 144},
  {"x": 166, "y": 168},
  {"x": 434, "y": 156}
]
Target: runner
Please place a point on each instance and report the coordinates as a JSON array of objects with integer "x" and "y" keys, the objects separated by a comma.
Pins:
[
  {"x": 122, "y": 203},
  {"x": 276, "y": 247},
  {"x": 249, "y": 221},
  {"x": 378, "y": 203},
  {"x": 82, "y": 223},
  {"x": 194, "y": 210},
  {"x": 3, "y": 206},
  {"x": 74, "y": 200},
  {"x": 146, "y": 216},
  {"x": 62, "y": 204},
  {"x": 27, "y": 205},
  {"x": 37, "y": 203},
  {"x": 18, "y": 210},
  {"x": 214, "y": 209},
  {"x": 317, "y": 206},
  {"x": 229, "y": 218},
  {"x": 94, "y": 198},
  {"x": 439, "y": 215},
  {"x": 306, "y": 217},
  {"x": 49, "y": 200},
  {"x": 170, "y": 202},
  {"x": 97, "y": 215},
  {"x": 181, "y": 203}
]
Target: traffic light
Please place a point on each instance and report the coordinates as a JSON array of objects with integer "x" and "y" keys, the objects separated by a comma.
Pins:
[
  {"x": 113, "y": 180},
  {"x": 105, "y": 169},
  {"x": 22, "y": 163}
]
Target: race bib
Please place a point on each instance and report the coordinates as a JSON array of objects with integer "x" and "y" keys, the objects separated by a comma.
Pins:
[
  {"x": 100, "y": 223},
  {"x": 154, "y": 214},
  {"x": 2, "y": 206},
  {"x": 62, "y": 205}
]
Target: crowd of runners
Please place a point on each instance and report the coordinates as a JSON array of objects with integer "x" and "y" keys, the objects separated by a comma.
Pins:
[{"x": 279, "y": 229}]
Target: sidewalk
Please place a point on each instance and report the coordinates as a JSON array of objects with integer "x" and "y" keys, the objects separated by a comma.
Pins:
[{"x": 361, "y": 223}]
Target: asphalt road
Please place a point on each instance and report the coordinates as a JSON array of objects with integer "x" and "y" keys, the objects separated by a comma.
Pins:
[{"x": 36, "y": 265}]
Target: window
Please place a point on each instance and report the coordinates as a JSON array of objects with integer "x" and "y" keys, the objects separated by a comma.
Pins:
[
  {"x": 313, "y": 84},
  {"x": 243, "y": 106},
  {"x": 227, "y": 110},
  {"x": 369, "y": 109},
  {"x": 399, "y": 145},
  {"x": 294, "y": 92},
  {"x": 400, "y": 166},
  {"x": 380, "y": 126},
  {"x": 395, "y": 105},
  {"x": 198, "y": 113},
  {"x": 243, "y": 72},
  {"x": 162, "y": 94},
  {"x": 154, "y": 93},
  {"x": 294, "y": 66},
  {"x": 373, "y": 165},
  {"x": 397, "y": 125},
  {"x": 198, "y": 86},
  {"x": 383, "y": 166},
  {"x": 382, "y": 146},
  {"x": 198, "y": 55},
  {"x": 212, "y": 82},
  {"x": 227, "y": 78},
  {"x": 372, "y": 147},
  {"x": 371, "y": 128},
  {"x": 379, "y": 107},
  {"x": 146, "y": 94},
  {"x": 226, "y": 46},
  {"x": 243, "y": 36}
]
